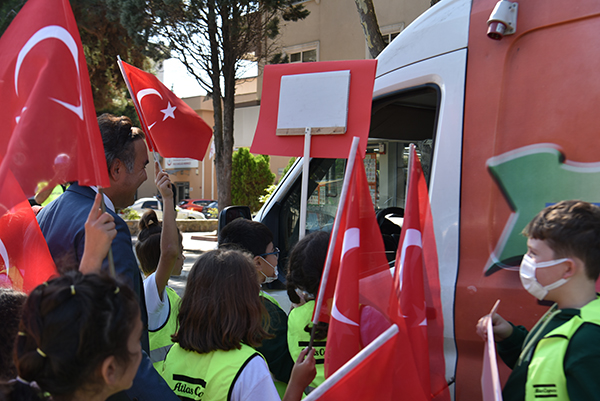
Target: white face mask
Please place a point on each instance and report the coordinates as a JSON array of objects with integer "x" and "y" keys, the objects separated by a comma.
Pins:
[
  {"x": 529, "y": 281},
  {"x": 269, "y": 279}
]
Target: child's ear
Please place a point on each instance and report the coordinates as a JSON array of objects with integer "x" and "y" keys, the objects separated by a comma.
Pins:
[
  {"x": 573, "y": 265},
  {"x": 257, "y": 262},
  {"x": 109, "y": 370}
]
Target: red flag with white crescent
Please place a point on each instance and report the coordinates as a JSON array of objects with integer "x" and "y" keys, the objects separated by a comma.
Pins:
[
  {"x": 360, "y": 277},
  {"x": 25, "y": 261},
  {"x": 174, "y": 128},
  {"x": 50, "y": 133},
  {"x": 416, "y": 298}
]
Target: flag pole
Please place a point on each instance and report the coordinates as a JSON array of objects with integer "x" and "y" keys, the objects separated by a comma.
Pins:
[
  {"x": 304, "y": 189},
  {"x": 138, "y": 109},
  {"x": 352, "y": 363},
  {"x": 411, "y": 151},
  {"x": 111, "y": 262},
  {"x": 334, "y": 234}
]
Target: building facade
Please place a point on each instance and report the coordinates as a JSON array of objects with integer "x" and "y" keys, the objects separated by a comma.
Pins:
[{"x": 331, "y": 32}]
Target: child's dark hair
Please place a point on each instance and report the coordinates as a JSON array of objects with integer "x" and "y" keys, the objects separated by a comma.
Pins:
[
  {"x": 306, "y": 262},
  {"x": 305, "y": 267},
  {"x": 250, "y": 235},
  {"x": 69, "y": 326},
  {"x": 221, "y": 307},
  {"x": 147, "y": 248},
  {"x": 11, "y": 305},
  {"x": 570, "y": 228}
]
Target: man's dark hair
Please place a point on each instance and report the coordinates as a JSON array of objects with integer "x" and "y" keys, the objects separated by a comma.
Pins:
[
  {"x": 250, "y": 235},
  {"x": 118, "y": 135},
  {"x": 570, "y": 228}
]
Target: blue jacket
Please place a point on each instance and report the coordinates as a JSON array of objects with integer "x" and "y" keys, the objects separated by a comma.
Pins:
[{"x": 63, "y": 225}]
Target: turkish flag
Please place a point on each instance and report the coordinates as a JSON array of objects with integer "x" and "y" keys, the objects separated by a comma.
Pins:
[
  {"x": 172, "y": 127},
  {"x": 360, "y": 276},
  {"x": 25, "y": 261},
  {"x": 369, "y": 260},
  {"x": 49, "y": 132},
  {"x": 369, "y": 351},
  {"x": 416, "y": 298},
  {"x": 371, "y": 376}
]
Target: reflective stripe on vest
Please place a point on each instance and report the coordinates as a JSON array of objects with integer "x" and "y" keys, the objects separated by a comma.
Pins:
[
  {"x": 298, "y": 338},
  {"x": 545, "y": 375},
  {"x": 160, "y": 339},
  {"x": 211, "y": 376},
  {"x": 270, "y": 298}
]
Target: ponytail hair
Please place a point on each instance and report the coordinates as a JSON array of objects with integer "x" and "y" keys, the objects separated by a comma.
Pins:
[
  {"x": 147, "y": 248},
  {"x": 69, "y": 326}
]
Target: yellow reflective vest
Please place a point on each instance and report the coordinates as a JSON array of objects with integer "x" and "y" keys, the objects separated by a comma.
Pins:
[
  {"x": 209, "y": 377},
  {"x": 545, "y": 375},
  {"x": 298, "y": 338},
  {"x": 160, "y": 339}
]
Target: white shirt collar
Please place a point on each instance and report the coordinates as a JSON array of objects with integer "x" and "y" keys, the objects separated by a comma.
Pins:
[{"x": 107, "y": 201}]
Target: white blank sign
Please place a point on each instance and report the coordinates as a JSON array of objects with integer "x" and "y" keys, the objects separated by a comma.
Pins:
[{"x": 318, "y": 101}]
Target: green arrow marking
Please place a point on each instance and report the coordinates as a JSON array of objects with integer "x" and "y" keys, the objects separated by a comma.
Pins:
[{"x": 530, "y": 179}]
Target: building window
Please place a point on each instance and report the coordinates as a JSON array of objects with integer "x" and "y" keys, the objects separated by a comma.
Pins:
[
  {"x": 304, "y": 57},
  {"x": 303, "y": 53},
  {"x": 389, "y": 33},
  {"x": 388, "y": 37}
]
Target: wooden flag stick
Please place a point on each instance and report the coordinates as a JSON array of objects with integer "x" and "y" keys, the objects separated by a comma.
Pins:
[{"x": 111, "y": 262}]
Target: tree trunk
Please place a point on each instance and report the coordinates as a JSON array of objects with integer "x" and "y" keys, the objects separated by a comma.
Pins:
[
  {"x": 368, "y": 20},
  {"x": 228, "y": 72},
  {"x": 222, "y": 157}
]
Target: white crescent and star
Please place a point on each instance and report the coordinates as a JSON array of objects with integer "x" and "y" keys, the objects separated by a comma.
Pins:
[
  {"x": 168, "y": 112},
  {"x": 351, "y": 241},
  {"x": 411, "y": 238},
  {"x": 52, "y": 32}
]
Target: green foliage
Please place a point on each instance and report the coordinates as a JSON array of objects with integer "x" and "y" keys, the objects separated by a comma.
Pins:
[
  {"x": 250, "y": 178},
  {"x": 279, "y": 58},
  {"x": 268, "y": 192},
  {"x": 288, "y": 167},
  {"x": 129, "y": 214},
  {"x": 103, "y": 36},
  {"x": 8, "y": 11}
]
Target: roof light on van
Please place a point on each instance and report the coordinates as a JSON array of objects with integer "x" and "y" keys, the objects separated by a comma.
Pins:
[{"x": 503, "y": 20}]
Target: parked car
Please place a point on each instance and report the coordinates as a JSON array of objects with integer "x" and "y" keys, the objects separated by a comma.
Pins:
[
  {"x": 211, "y": 211},
  {"x": 195, "y": 204},
  {"x": 142, "y": 204}
]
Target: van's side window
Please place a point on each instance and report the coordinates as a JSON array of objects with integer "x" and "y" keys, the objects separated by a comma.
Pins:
[{"x": 409, "y": 116}]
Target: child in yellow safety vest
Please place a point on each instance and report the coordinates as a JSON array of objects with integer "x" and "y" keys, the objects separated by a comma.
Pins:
[
  {"x": 160, "y": 252},
  {"x": 559, "y": 358},
  {"x": 221, "y": 321},
  {"x": 305, "y": 267}
]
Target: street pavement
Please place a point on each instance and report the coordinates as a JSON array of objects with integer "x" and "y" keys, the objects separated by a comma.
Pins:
[{"x": 194, "y": 245}]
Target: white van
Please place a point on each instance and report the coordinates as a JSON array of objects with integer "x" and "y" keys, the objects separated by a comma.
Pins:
[{"x": 503, "y": 128}]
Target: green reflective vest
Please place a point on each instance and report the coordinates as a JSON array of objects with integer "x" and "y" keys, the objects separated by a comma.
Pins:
[
  {"x": 298, "y": 338},
  {"x": 208, "y": 377},
  {"x": 545, "y": 375},
  {"x": 160, "y": 339}
]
